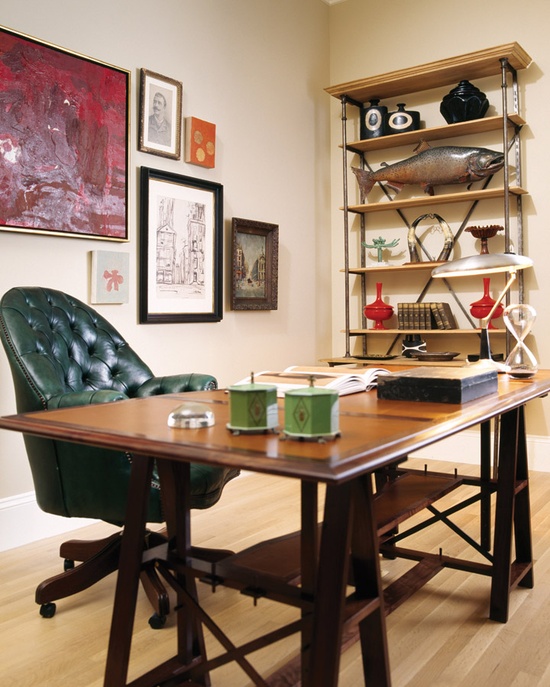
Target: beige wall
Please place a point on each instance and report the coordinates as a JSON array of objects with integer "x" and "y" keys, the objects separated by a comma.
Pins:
[
  {"x": 366, "y": 42},
  {"x": 257, "y": 69}
]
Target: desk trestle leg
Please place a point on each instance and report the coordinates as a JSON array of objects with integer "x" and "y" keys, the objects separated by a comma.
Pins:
[{"x": 512, "y": 516}]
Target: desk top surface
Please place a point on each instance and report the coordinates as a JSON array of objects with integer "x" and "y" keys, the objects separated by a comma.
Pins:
[{"x": 373, "y": 432}]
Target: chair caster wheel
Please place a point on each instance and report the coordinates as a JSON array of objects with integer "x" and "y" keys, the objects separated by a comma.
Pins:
[
  {"x": 68, "y": 564},
  {"x": 157, "y": 622},
  {"x": 48, "y": 610}
]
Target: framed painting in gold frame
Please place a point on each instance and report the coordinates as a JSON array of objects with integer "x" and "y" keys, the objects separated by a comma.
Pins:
[{"x": 64, "y": 143}]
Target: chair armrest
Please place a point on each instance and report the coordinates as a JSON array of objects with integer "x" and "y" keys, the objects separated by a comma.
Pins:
[
  {"x": 176, "y": 384},
  {"x": 84, "y": 398}
]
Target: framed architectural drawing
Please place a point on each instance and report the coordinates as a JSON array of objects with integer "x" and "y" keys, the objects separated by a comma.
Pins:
[
  {"x": 181, "y": 251},
  {"x": 255, "y": 264},
  {"x": 64, "y": 141},
  {"x": 160, "y": 115}
]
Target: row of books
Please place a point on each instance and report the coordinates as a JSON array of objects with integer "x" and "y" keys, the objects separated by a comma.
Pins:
[{"x": 425, "y": 316}]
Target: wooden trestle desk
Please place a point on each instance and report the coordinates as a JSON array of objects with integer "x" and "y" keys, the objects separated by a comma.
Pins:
[{"x": 374, "y": 435}]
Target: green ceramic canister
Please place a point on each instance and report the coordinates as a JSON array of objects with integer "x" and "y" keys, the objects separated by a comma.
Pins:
[
  {"x": 312, "y": 413},
  {"x": 253, "y": 407}
]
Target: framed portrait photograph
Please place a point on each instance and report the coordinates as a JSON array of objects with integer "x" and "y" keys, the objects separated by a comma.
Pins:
[
  {"x": 64, "y": 141},
  {"x": 255, "y": 264},
  {"x": 181, "y": 248},
  {"x": 160, "y": 115}
]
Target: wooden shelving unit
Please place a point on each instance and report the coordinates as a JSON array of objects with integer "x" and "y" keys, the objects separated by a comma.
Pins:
[{"x": 500, "y": 61}]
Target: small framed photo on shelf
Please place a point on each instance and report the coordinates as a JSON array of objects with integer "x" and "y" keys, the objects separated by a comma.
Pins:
[
  {"x": 160, "y": 115},
  {"x": 255, "y": 265},
  {"x": 181, "y": 248}
]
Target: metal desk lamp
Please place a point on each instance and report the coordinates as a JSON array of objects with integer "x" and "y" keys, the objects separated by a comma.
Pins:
[{"x": 487, "y": 263}]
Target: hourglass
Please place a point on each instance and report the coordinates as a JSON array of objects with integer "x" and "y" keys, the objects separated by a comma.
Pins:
[{"x": 519, "y": 319}]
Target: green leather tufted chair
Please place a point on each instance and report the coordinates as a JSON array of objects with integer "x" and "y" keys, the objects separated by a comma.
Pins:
[{"x": 64, "y": 353}]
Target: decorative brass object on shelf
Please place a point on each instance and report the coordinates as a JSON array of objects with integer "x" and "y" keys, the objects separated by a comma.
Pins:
[{"x": 484, "y": 234}]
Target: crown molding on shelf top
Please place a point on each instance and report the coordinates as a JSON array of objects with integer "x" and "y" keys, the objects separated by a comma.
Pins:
[{"x": 471, "y": 66}]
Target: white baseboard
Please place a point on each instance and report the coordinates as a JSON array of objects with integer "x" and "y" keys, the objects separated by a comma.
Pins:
[
  {"x": 22, "y": 522},
  {"x": 464, "y": 448}
]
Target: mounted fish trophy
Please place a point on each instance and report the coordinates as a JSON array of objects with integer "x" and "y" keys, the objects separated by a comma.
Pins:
[{"x": 434, "y": 167}]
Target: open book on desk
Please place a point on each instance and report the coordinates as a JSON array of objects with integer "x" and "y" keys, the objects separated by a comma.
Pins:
[{"x": 297, "y": 377}]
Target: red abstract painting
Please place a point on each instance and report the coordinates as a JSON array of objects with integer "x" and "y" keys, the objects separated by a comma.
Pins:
[{"x": 63, "y": 141}]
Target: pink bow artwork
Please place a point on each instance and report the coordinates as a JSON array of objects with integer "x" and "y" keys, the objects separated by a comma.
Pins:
[{"x": 113, "y": 279}]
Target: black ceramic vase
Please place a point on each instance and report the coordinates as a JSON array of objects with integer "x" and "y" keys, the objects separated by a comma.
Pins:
[
  {"x": 402, "y": 120},
  {"x": 373, "y": 120},
  {"x": 464, "y": 103}
]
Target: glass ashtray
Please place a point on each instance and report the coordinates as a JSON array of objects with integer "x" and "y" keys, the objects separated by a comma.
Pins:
[{"x": 191, "y": 416}]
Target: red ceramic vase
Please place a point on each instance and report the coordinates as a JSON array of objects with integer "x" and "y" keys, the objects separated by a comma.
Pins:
[
  {"x": 378, "y": 311},
  {"x": 481, "y": 308}
]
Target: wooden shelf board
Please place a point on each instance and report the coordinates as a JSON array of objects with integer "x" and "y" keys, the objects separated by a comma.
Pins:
[
  {"x": 444, "y": 198},
  {"x": 409, "y": 266},
  {"x": 361, "y": 332},
  {"x": 400, "y": 361},
  {"x": 409, "y": 494},
  {"x": 435, "y": 133},
  {"x": 471, "y": 66}
]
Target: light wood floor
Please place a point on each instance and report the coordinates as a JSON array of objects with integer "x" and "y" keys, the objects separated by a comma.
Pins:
[{"x": 441, "y": 637}]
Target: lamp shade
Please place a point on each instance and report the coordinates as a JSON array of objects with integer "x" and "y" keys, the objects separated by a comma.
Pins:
[{"x": 486, "y": 263}]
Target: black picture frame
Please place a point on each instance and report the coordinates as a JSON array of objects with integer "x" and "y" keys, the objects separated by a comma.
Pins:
[
  {"x": 181, "y": 248},
  {"x": 254, "y": 265}
]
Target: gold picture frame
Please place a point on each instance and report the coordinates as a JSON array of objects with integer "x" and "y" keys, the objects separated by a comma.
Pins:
[
  {"x": 160, "y": 121},
  {"x": 69, "y": 161}
]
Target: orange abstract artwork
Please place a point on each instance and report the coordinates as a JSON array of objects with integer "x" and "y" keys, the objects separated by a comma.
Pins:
[{"x": 200, "y": 142}]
